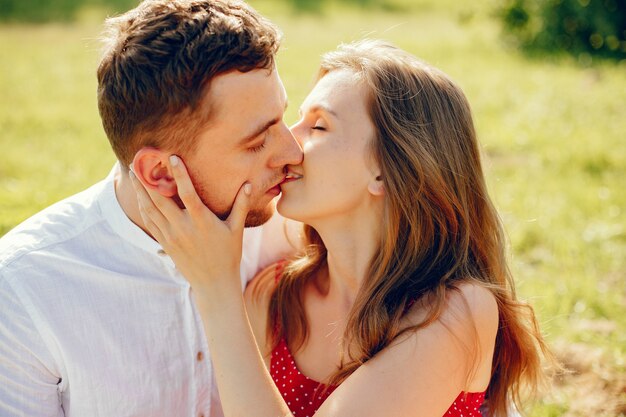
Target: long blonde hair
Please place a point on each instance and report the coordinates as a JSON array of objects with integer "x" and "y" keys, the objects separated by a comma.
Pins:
[{"x": 440, "y": 226}]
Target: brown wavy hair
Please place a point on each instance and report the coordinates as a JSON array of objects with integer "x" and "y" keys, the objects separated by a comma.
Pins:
[
  {"x": 158, "y": 62},
  {"x": 440, "y": 226}
]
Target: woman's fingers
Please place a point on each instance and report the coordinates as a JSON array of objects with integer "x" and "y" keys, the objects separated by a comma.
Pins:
[
  {"x": 186, "y": 190},
  {"x": 152, "y": 217},
  {"x": 195, "y": 206},
  {"x": 151, "y": 227},
  {"x": 237, "y": 218},
  {"x": 157, "y": 205}
]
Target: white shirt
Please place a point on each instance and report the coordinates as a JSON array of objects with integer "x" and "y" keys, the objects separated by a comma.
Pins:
[{"x": 95, "y": 320}]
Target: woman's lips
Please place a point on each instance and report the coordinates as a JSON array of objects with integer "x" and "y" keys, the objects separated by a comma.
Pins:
[{"x": 291, "y": 176}]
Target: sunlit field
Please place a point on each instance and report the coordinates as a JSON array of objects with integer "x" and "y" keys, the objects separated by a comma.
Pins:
[{"x": 553, "y": 133}]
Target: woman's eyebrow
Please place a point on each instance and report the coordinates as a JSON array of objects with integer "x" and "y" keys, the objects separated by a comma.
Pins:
[{"x": 320, "y": 107}]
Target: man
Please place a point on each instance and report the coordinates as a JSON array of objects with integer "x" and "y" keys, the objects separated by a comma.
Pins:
[{"x": 95, "y": 318}]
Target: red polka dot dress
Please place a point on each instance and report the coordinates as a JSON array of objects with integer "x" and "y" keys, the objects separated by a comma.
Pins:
[
  {"x": 304, "y": 396},
  {"x": 466, "y": 405}
]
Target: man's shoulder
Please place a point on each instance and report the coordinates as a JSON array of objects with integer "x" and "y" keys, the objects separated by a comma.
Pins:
[{"x": 55, "y": 224}]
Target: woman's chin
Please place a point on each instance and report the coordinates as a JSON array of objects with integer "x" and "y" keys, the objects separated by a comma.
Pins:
[
  {"x": 281, "y": 206},
  {"x": 285, "y": 208}
]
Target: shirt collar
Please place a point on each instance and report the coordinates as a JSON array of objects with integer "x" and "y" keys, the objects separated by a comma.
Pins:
[{"x": 119, "y": 221}]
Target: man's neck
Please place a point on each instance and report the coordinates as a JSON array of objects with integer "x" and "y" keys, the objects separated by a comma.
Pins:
[{"x": 127, "y": 198}]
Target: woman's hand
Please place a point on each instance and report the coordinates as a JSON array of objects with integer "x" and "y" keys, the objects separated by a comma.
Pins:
[{"x": 205, "y": 249}]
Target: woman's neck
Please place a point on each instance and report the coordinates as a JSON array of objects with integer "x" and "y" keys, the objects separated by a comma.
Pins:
[{"x": 351, "y": 243}]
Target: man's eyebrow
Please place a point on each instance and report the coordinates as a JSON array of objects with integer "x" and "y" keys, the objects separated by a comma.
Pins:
[
  {"x": 259, "y": 130},
  {"x": 262, "y": 129}
]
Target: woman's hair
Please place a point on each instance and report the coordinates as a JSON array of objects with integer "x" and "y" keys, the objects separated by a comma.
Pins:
[{"x": 439, "y": 225}]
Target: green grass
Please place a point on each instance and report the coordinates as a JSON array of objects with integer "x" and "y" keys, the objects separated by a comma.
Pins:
[{"x": 553, "y": 133}]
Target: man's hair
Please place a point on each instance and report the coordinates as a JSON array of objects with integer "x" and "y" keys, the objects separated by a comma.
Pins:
[{"x": 158, "y": 63}]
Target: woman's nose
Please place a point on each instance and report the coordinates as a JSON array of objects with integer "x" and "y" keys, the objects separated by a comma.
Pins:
[{"x": 297, "y": 132}]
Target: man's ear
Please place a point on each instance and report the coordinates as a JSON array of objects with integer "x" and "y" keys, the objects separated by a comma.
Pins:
[
  {"x": 376, "y": 186},
  {"x": 151, "y": 167}
]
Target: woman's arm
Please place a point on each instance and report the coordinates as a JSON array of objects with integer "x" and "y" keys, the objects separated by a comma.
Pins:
[
  {"x": 245, "y": 385},
  {"x": 257, "y": 298},
  {"x": 419, "y": 375}
]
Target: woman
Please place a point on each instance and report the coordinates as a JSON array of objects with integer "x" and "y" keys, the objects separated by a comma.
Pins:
[{"x": 401, "y": 303}]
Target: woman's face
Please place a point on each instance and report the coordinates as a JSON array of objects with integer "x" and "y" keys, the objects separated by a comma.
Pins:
[{"x": 335, "y": 132}]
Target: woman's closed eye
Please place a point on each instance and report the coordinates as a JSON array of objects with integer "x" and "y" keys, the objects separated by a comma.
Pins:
[{"x": 319, "y": 126}]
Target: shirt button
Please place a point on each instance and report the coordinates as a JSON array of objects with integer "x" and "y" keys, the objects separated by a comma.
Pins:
[{"x": 200, "y": 356}]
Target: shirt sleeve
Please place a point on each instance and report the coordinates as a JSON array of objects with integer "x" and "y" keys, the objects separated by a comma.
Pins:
[{"x": 28, "y": 387}]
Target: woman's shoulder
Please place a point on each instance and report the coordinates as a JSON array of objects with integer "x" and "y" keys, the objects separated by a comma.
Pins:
[
  {"x": 466, "y": 329},
  {"x": 257, "y": 296},
  {"x": 469, "y": 303},
  {"x": 261, "y": 287},
  {"x": 477, "y": 299}
]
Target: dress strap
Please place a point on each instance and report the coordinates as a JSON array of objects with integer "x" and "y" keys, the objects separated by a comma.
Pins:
[{"x": 280, "y": 268}]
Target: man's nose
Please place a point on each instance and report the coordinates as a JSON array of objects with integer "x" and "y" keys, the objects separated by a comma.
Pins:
[{"x": 289, "y": 151}]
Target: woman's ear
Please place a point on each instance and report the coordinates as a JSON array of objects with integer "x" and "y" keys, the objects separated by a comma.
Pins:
[
  {"x": 376, "y": 186},
  {"x": 151, "y": 167}
]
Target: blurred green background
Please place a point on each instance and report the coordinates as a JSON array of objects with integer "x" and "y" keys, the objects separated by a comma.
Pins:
[{"x": 552, "y": 129}]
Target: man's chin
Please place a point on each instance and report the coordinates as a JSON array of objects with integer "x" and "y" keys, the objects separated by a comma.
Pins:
[{"x": 258, "y": 217}]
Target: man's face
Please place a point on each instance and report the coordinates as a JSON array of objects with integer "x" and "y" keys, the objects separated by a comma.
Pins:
[{"x": 246, "y": 140}]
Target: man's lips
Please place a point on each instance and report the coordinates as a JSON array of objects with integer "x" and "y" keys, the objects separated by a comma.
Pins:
[
  {"x": 289, "y": 176},
  {"x": 275, "y": 189}
]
